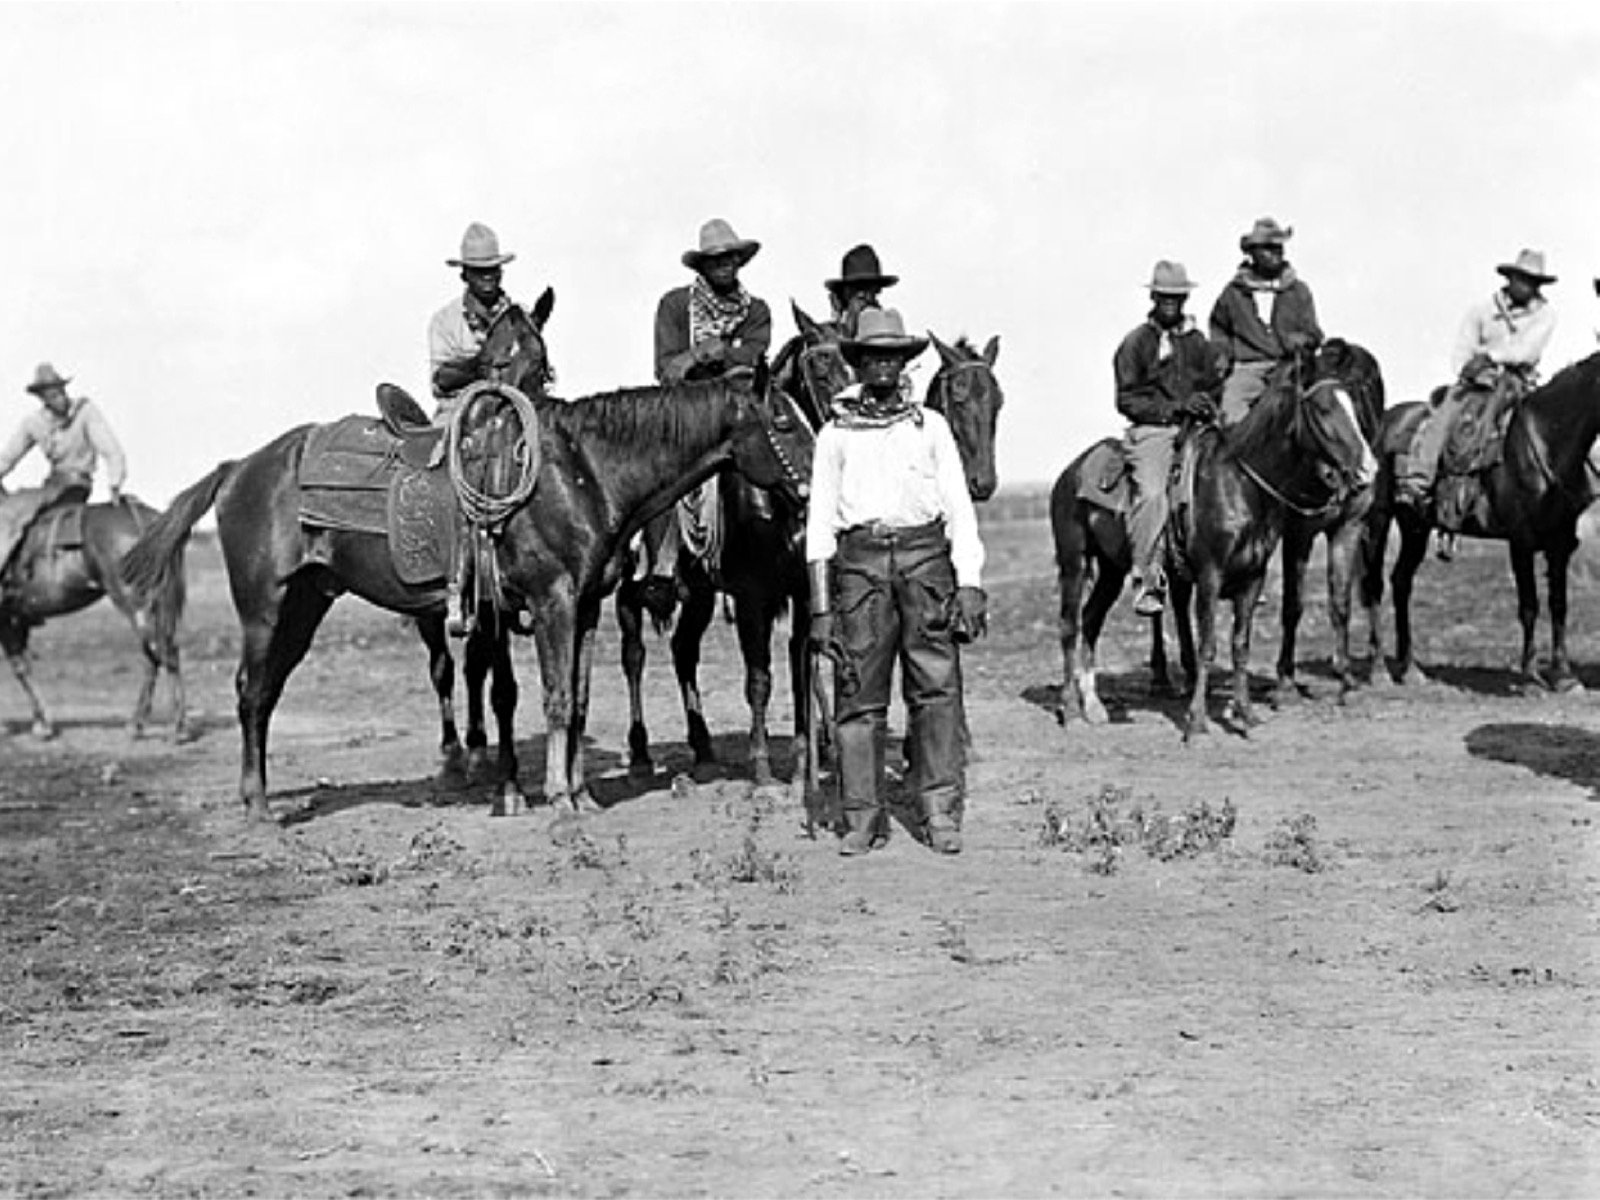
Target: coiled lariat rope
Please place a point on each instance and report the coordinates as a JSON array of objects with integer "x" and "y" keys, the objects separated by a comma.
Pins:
[{"x": 486, "y": 513}]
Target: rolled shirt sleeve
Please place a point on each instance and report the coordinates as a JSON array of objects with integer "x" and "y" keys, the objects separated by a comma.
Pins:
[{"x": 961, "y": 519}]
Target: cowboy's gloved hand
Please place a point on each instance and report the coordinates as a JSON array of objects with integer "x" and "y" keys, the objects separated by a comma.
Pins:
[
  {"x": 1200, "y": 406},
  {"x": 821, "y": 640},
  {"x": 1477, "y": 365},
  {"x": 710, "y": 350},
  {"x": 972, "y": 614}
]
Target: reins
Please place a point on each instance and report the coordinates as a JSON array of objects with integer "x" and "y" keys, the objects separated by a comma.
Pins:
[{"x": 1335, "y": 500}]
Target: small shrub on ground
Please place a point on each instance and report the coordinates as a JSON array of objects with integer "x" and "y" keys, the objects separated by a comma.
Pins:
[
  {"x": 1294, "y": 844},
  {"x": 1111, "y": 821}
]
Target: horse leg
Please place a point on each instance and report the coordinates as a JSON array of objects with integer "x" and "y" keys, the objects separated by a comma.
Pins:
[
  {"x": 1344, "y": 548},
  {"x": 1182, "y": 595},
  {"x": 699, "y": 605},
  {"x": 1244, "y": 612},
  {"x": 588, "y": 619},
  {"x": 503, "y": 694},
  {"x": 1162, "y": 686},
  {"x": 753, "y": 620},
  {"x": 14, "y": 640},
  {"x": 1561, "y": 674},
  {"x": 442, "y": 673},
  {"x": 1522, "y": 570},
  {"x": 1295, "y": 555},
  {"x": 630, "y": 624},
  {"x": 1205, "y": 593},
  {"x": 477, "y": 662},
  {"x": 1084, "y": 682},
  {"x": 274, "y": 644},
  {"x": 1372, "y": 545},
  {"x": 1413, "y": 549}
]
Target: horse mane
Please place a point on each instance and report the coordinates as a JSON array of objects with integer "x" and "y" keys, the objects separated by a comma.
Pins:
[
  {"x": 1582, "y": 373},
  {"x": 638, "y": 417}
]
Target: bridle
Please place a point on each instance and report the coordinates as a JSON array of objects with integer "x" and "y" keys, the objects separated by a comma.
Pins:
[{"x": 1348, "y": 482}]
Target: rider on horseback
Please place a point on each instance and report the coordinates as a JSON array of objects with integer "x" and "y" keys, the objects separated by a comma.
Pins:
[
  {"x": 1166, "y": 374},
  {"x": 457, "y": 331},
  {"x": 860, "y": 281},
  {"x": 73, "y": 435},
  {"x": 705, "y": 329},
  {"x": 1264, "y": 316},
  {"x": 1496, "y": 356}
]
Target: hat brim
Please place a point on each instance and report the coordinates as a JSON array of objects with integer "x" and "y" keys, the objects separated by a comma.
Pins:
[
  {"x": 45, "y": 385},
  {"x": 481, "y": 264},
  {"x": 1252, "y": 239},
  {"x": 870, "y": 281},
  {"x": 1171, "y": 289},
  {"x": 1510, "y": 269},
  {"x": 905, "y": 348},
  {"x": 744, "y": 249}
]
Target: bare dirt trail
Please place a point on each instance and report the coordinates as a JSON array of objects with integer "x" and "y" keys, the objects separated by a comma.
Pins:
[{"x": 1382, "y": 981}]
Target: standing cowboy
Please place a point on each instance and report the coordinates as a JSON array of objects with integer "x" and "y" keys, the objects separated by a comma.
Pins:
[
  {"x": 1265, "y": 315},
  {"x": 1166, "y": 374},
  {"x": 1497, "y": 353},
  {"x": 73, "y": 435},
  {"x": 457, "y": 331},
  {"x": 704, "y": 330},
  {"x": 860, "y": 282},
  {"x": 895, "y": 562}
]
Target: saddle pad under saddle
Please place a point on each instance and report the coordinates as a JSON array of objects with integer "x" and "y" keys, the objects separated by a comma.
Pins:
[
  {"x": 1105, "y": 482},
  {"x": 357, "y": 475}
]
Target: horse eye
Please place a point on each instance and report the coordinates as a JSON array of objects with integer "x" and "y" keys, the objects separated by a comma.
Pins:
[{"x": 782, "y": 423}]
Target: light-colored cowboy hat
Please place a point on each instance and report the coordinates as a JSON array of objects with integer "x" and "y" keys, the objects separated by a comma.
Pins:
[
  {"x": 45, "y": 378},
  {"x": 861, "y": 268},
  {"x": 1171, "y": 278},
  {"x": 480, "y": 248},
  {"x": 716, "y": 238},
  {"x": 1529, "y": 263},
  {"x": 1266, "y": 232},
  {"x": 881, "y": 330}
]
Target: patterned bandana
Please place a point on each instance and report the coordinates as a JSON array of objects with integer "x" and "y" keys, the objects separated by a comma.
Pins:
[
  {"x": 1255, "y": 283},
  {"x": 711, "y": 315},
  {"x": 856, "y": 408}
]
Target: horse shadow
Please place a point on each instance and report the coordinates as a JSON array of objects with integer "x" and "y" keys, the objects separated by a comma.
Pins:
[
  {"x": 1125, "y": 693},
  {"x": 1560, "y": 751},
  {"x": 1499, "y": 682}
]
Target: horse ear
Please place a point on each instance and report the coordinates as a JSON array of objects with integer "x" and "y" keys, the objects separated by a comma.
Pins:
[
  {"x": 543, "y": 307},
  {"x": 945, "y": 352},
  {"x": 808, "y": 328},
  {"x": 992, "y": 350}
]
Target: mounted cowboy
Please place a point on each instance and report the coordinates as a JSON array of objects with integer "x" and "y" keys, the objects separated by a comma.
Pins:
[
  {"x": 1265, "y": 315},
  {"x": 73, "y": 435},
  {"x": 860, "y": 281},
  {"x": 705, "y": 329},
  {"x": 895, "y": 561},
  {"x": 1495, "y": 359},
  {"x": 1167, "y": 375},
  {"x": 457, "y": 331}
]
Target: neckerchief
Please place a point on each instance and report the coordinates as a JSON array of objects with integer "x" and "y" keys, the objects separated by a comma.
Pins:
[
  {"x": 855, "y": 408},
  {"x": 711, "y": 315},
  {"x": 480, "y": 317},
  {"x": 1247, "y": 278},
  {"x": 1508, "y": 312},
  {"x": 1168, "y": 337}
]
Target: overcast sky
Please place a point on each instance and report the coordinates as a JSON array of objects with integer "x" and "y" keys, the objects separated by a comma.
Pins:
[{"x": 227, "y": 219}]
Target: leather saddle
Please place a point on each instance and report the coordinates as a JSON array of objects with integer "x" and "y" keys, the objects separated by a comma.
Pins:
[{"x": 385, "y": 475}]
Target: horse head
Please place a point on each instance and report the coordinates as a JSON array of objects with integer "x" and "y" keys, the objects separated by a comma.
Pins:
[
  {"x": 1357, "y": 370},
  {"x": 1328, "y": 428},
  {"x": 772, "y": 440},
  {"x": 515, "y": 350},
  {"x": 966, "y": 392},
  {"x": 810, "y": 369}
]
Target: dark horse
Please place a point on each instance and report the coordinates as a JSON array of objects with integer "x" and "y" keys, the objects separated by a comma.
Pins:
[
  {"x": 1295, "y": 450},
  {"x": 1532, "y": 499},
  {"x": 605, "y": 465},
  {"x": 52, "y": 575},
  {"x": 762, "y": 560}
]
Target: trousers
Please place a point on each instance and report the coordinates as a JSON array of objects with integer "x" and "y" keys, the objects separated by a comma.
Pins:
[
  {"x": 1246, "y": 384},
  {"x": 1149, "y": 450},
  {"x": 893, "y": 600}
]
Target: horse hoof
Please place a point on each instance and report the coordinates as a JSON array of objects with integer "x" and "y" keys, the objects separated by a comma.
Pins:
[
  {"x": 259, "y": 814},
  {"x": 511, "y": 802},
  {"x": 583, "y": 801},
  {"x": 44, "y": 731},
  {"x": 762, "y": 774},
  {"x": 641, "y": 767}
]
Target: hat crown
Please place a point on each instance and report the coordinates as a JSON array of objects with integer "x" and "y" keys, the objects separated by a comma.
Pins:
[
  {"x": 880, "y": 325},
  {"x": 718, "y": 237},
  {"x": 1266, "y": 232},
  {"x": 1170, "y": 276},
  {"x": 860, "y": 262},
  {"x": 1529, "y": 263},
  {"x": 45, "y": 377}
]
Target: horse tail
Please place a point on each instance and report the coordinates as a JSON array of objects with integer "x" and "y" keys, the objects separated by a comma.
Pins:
[{"x": 153, "y": 567}]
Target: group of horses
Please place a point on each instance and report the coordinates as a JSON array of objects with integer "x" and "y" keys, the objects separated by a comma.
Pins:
[
  {"x": 1314, "y": 458},
  {"x": 1317, "y": 456}
]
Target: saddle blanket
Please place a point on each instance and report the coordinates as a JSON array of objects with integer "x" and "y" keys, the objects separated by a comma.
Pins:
[{"x": 357, "y": 475}]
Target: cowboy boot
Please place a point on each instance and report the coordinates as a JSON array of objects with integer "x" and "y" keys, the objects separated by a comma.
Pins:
[
  {"x": 862, "y": 832},
  {"x": 943, "y": 819}
]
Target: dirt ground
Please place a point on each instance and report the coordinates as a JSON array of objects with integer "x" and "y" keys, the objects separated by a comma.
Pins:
[{"x": 1381, "y": 979}]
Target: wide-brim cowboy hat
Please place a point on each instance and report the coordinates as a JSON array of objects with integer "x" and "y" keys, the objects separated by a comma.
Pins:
[
  {"x": 1530, "y": 264},
  {"x": 480, "y": 249},
  {"x": 881, "y": 331},
  {"x": 1171, "y": 279},
  {"x": 861, "y": 268},
  {"x": 716, "y": 239},
  {"x": 1266, "y": 232},
  {"x": 45, "y": 378}
]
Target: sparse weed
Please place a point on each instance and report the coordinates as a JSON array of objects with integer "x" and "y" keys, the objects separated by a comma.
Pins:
[
  {"x": 1294, "y": 844},
  {"x": 1110, "y": 822}
]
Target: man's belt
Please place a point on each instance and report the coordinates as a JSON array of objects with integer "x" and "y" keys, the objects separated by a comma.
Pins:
[{"x": 882, "y": 531}]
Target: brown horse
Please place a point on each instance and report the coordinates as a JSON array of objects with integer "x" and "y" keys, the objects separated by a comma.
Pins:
[
  {"x": 1294, "y": 451},
  {"x": 1531, "y": 499},
  {"x": 68, "y": 560},
  {"x": 762, "y": 561},
  {"x": 605, "y": 464}
]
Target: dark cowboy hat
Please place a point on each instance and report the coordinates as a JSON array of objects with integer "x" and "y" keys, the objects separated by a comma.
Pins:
[
  {"x": 480, "y": 249},
  {"x": 717, "y": 238},
  {"x": 881, "y": 330},
  {"x": 46, "y": 378},
  {"x": 1530, "y": 263},
  {"x": 861, "y": 269},
  {"x": 1266, "y": 232}
]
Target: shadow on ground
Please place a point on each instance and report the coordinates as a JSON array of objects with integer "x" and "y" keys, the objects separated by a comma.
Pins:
[{"x": 1561, "y": 751}]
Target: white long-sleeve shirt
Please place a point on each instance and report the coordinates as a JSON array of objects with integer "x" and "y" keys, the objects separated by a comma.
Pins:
[
  {"x": 1510, "y": 335},
  {"x": 904, "y": 474},
  {"x": 73, "y": 444}
]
